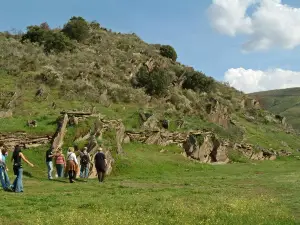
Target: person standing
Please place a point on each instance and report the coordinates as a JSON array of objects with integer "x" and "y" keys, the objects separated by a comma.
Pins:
[
  {"x": 49, "y": 163},
  {"x": 60, "y": 163},
  {"x": 71, "y": 164},
  {"x": 100, "y": 164},
  {"x": 5, "y": 169},
  {"x": 18, "y": 169},
  {"x": 85, "y": 159},
  {"x": 4, "y": 179}
]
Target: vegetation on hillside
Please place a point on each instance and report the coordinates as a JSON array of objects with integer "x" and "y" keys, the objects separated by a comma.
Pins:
[
  {"x": 285, "y": 102},
  {"x": 84, "y": 66}
]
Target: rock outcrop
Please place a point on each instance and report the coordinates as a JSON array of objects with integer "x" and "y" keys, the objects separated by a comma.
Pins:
[
  {"x": 249, "y": 103},
  {"x": 281, "y": 120},
  {"x": 58, "y": 138},
  {"x": 217, "y": 113},
  {"x": 200, "y": 145},
  {"x": 250, "y": 152},
  {"x": 211, "y": 150},
  {"x": 24, "y": 140},
  {"x": 6, "y": 114}
]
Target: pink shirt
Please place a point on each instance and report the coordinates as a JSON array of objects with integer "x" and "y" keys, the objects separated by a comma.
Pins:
[{"x": 60, "y": 159}]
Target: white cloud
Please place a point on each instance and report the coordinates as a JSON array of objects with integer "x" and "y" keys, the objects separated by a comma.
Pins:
[
  {"x": 271, "y": 23},
  {"x": 248, "y": 80}
]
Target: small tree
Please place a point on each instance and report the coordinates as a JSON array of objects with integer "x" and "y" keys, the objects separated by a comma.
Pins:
[
  {"x": 168, "y": 51},
  {"x": 51, "y": 40},
  {"x": 34, "y": 34},
  {"x": 198, "y": 81},
  {"x": 57, "y": 42},
  {"x": 77, "y": 28},
  {"x": 156, "y": 82}
]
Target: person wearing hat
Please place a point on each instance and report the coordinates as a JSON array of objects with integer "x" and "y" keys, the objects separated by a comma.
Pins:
[
  {"x": 71, "y": 164},
  {"x": 100, "y": 164},
  {"x": 85, "y": 160}
]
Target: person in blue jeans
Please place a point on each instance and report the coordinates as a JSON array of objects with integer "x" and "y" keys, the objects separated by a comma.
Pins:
[
  {"x": 4, "y": 180},
  {"x": 18, "y": 169},
  {"x": 85, "y": 159},
  {"x": 3, "y": 171},
  {"x": 49, "y": 163}
]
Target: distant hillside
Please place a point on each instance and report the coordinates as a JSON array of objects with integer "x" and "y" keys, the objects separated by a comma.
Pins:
[{"x": 285, "y": 102}]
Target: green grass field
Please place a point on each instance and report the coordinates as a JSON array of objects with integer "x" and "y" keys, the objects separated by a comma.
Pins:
[{"x": 149, "y": 187}]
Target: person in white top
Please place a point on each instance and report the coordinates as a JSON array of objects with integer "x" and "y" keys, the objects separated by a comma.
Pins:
[
  {"x": 72, "y": 164},
  {"x": 2, "y": 167}
]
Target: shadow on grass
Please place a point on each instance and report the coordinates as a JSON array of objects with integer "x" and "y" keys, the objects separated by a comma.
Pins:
[
  {"x": 59, "y": 180},
  {"x": 81, "y": 181},
  {"x": 27, "y": 174}
]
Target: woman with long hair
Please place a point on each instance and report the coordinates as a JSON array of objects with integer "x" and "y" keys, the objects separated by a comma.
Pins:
[
  {"x": 60, "y": 163},
  {"x": 72, "y": 164},
  {"x": 18, "y": 169}
]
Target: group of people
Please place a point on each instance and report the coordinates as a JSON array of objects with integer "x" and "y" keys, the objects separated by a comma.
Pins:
[
  {"x": 65, "y": 167},
  {"x": 69, "y": 166}
]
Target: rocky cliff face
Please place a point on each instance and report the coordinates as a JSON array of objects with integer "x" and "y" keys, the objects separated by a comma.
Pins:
[
  {"x": 211, "y": 150},
  {"x": 218, "y": 113}
]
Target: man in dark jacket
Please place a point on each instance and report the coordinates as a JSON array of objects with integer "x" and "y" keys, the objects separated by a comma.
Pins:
[{"x": 100, "y": 164}]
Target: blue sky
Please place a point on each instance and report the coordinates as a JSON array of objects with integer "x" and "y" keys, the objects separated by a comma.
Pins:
[{"x": 183, "y": 24}]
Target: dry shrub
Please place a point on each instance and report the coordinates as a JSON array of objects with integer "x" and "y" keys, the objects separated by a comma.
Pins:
[
  {"x": 179, "y": 100},
  {"x": 50, "y": 76},
  {"x": 128, "y": 95}
]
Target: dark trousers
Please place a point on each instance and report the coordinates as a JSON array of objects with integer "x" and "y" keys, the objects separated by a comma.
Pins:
[
  {"x": 72, "y": 175},
  {"x": 101, "y": 174}
]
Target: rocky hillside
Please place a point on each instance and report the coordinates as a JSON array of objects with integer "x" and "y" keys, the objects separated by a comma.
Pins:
[
  {"x": 285, "y": 102},
  {"x": 85, "y": 67}
]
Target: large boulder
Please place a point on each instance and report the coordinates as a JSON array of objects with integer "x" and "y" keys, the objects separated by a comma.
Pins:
[
  {"x": 152, "y": 123},
  {"x": 211, "y": 150}
]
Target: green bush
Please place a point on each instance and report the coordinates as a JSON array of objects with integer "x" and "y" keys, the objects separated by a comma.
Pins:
[
  {"x": 57, "y": 42},
  {"x": 198, "y": 81},
  {"x": 168, "y": 51},
  {"x": 51, "y": 40},
  {"x": 34, "y": 34},
  {"x": 156, "y": 82},
  {"x": 236, "y": 156},
  {"x": 77, "y": 28}
]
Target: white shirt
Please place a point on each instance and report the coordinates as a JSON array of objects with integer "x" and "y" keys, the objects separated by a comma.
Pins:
[
  {"x": 0, "y": 155},
  {"x": 72, "y": 156}
]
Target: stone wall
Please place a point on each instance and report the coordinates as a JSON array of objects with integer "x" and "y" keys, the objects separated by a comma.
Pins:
[{"x": 24, "y": 140}]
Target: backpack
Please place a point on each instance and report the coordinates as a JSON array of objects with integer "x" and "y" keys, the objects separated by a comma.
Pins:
[{"x": 84, "y": 160}]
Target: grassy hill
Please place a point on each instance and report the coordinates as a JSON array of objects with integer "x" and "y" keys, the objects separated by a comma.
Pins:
[
  {"x": 285, "y": 102},
  {"x": 46, "y": 71}
]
